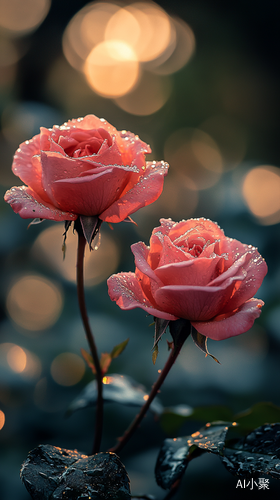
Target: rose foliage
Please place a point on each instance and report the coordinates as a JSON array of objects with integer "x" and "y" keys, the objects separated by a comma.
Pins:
[
  {"x": 192, "y": 270},
  {"x": 84, "y": 167}
]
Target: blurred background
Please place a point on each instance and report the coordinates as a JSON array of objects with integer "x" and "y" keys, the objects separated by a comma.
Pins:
[{"x": 199, "y": 82}]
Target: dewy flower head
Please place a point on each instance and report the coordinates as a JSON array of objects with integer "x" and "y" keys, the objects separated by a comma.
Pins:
[
  {"x": 192, "y": 270},
  {"x": 85, "y": 167}
]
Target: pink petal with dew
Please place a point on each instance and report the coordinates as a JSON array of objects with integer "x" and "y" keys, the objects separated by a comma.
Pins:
[
  {"x": 29, "y": 205},
  {"x": 165, "y": 226},
  {"x": 141, "y": 253},
  {"x": 229, "y": 325},
  {"x": 145, "y": 192},
  {"x": 133, "y": 149},
  {"x": 194, "y": 272},
  {"x": 204, "y": 228},
  {"x": 125, "y": 290},
  {"x": 194, "y": 302},
  {"x": 236, "y": 268},
  {"x": 89, "y": 194},
  {"x": 46, "y": 136},
  {"x": 90, "y": 122},
  {"x": 170, "y": 253},
  {"x": 256, "y": 269},
  {"x": 25, "y": 168}
]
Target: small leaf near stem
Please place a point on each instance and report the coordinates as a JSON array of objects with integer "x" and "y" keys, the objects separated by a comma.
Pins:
[
  {"x": 201, "y": 342},
  {"x": 180, "y": 330},
  {"x": 106, "y": 358},
  {"x": 81, "y": 298}
]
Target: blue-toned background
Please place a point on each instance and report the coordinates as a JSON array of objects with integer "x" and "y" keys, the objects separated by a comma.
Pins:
[{"x": 199, "y": 81}]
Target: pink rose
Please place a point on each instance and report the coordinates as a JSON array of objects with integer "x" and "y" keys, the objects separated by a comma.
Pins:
[
  {"x": 85, "y": 167},
  {"x": 192, "y": 270}
]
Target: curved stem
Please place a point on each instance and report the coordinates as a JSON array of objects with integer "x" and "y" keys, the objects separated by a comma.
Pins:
[
  {"x": 91, "y": 341},
  {"x": 155, "y": 389}
]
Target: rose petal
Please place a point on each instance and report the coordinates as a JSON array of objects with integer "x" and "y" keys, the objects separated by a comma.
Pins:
[
  {"x": 28, "y": 171},
  {"x": 91, "y": 122},
  {"x": 256, "y": 269},
  {"x": 230, "y": 325},
  {"x": 133, "y": 149},
  {"x": 29, "y": 205},
  {"x": 196, "y": 303},
  {"x": 90, "y": 194},
  {"x": 125, "y": 290},
  {"x": 146, "y": 191},
  {"x": 194, "y": 272},
  {"x": 202, "y": 228},
  {"x": 141, "y": 252}
]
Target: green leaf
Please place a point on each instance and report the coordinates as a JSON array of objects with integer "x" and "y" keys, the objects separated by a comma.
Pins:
[
  {"x": 155, "y": 354},
  {"x": 201, "y": 342},
  {"x": 106, "y": 358},
  {"x": 118, "y": 349},
  {"x": 105, "y": 362},
  {"x": 174, "y": 417},
  {"x": 256, "y": 416},
  {"x": 160, "y": 328},
  {"x": 88, "y": 359}
]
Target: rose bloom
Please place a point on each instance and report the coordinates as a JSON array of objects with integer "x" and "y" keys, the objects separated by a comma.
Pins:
[
  {"x": 192, "y": 270},
  {"x": 85, "y": 167}
]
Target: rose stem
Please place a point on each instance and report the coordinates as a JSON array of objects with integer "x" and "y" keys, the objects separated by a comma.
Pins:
[
  {"x": 91, "y": 341},
  {"x": 175, "y": 350}
]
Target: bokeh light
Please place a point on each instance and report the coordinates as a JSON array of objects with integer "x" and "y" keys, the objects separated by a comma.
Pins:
[
  {"x": 261, "y": 191},
  {"x": 22, "y": 16},
  {"x": 113, "y": 45},
  {"x": 99, "y": 265},
  {"x": 2, "y": 419},
  {"x": 182, "y": 51},
  {"x": 20, "y": 360},
  {"x": 85, "y": 30},
  {"x": 150, "y": 95},
  {"x": 140, "y": 24},
  {"x": 34, "y": 302},
  {"x": 16, "y": 358},
  {"x": 67, "y": 369},
  {"x": 195, "y": 154},
  {"x": 111, "y": 68}
]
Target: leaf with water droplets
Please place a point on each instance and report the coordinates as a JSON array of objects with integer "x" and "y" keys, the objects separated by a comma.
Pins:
[
  {"x": 52, "y": 473},
  {"x": 257, "y": 453},
  {"x": 175, "y": 453}
]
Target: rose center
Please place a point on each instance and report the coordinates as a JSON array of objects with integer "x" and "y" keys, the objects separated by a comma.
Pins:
[
  {"x": 195, "y": 250},
  {"x": 84, "y": 148}
]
